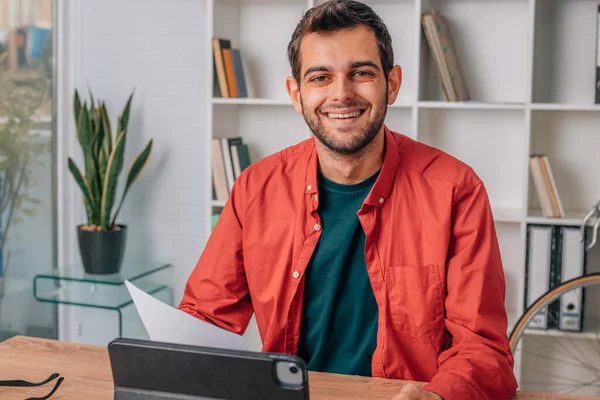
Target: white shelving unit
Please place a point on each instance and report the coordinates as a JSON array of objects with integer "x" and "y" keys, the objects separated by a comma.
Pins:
[{"x": 530, "y": 69}]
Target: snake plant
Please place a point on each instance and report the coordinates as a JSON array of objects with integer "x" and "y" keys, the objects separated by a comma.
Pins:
[{"x": 103, "y": 154}]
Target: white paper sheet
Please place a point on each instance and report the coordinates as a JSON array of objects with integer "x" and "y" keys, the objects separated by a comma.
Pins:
[{"x": 168, "y": 324}]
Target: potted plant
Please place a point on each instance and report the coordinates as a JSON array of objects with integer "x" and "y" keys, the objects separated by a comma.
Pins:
[{"x": 102, "y": 240}]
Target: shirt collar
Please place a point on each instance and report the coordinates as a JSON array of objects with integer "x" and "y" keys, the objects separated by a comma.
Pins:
[{"x": 383, "y": 185}]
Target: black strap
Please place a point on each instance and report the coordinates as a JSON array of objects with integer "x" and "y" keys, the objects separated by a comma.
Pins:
[
  {"x": 58, "y": 382},
  {"x": 28, "y": 384},
  {"x": 21, "y": 383}
]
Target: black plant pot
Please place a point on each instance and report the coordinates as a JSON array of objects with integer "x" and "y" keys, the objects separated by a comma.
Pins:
[{"x": 102, "y": 251}]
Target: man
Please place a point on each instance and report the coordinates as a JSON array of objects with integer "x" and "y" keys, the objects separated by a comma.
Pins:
[{"x": 361, "y": 250}]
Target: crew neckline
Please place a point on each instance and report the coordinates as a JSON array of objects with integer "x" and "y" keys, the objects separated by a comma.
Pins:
[{"x": 352, "y": 187}]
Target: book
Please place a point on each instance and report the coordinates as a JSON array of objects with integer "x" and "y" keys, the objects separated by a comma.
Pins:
[
  {"x": 445, "y": 58},
  {"x": 226, "y": 144},
  {"x": 218, "y": 45},
  {"x": 545, "y": 186},
  {"x": 540, "y": 186},
  {"x": 240, "y": 157},
  {"x": 240, "y": 78},
  {"x": 216, "y": 84},
  {"x": 549, "y": 178},
  {"x": 456, "y": 77},
  {"x": 435, "y": 46},
  {"x": 220, "y": 186},
  {"x": 230, "y": 157},
  {"x": 230, "y": 73}
]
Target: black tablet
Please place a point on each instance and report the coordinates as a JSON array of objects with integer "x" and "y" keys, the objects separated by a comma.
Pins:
[{"x": 151, "y": 370}]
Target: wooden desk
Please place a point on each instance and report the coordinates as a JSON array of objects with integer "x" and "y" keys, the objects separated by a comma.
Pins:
[{"x": 88, "y": 377}]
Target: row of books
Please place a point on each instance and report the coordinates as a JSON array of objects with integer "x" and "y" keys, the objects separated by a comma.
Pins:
[
  {"x": 437, "y": 34},
  {"x": 230, "y": 156},
  {"x": 229, "y": 75},
  {"x": 545, "y": 186}
]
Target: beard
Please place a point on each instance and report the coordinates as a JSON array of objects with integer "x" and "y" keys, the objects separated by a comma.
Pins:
[{"x": 350, "y": 140}]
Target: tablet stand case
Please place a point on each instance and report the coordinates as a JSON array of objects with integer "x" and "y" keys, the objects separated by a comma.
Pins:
[{"x": 159, "y": 371}]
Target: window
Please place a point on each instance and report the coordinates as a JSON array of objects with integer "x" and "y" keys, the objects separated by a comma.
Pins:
[{"x": 26, "y": 165}]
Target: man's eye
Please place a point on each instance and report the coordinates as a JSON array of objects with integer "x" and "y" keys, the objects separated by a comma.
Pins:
[
  {"x": 319, "y": 78},
  {"x": 363, "y": 73}
]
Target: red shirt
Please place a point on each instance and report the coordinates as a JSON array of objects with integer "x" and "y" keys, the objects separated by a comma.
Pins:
[{"x": 432, "y": 257}]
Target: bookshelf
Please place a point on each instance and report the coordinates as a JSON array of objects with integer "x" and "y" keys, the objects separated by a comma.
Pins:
[{"x": 530, "y": 69}]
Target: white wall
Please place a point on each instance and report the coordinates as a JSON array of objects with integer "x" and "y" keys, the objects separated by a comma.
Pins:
[{"x": 155, "y": 46}]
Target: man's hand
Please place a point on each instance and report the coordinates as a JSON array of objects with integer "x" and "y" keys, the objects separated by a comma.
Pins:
[{"x": 410, "y": 391}]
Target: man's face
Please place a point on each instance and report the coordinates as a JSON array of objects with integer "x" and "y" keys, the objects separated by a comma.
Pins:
[{"x": 342, "y": 93}]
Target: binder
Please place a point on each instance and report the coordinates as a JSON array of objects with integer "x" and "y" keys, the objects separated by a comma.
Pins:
[
  {"x": 571, "y": 258},
  {"x": 539, "y": 271}
]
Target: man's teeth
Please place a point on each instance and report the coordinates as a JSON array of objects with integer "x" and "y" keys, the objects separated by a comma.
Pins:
[{"x": 350, "y": 115}]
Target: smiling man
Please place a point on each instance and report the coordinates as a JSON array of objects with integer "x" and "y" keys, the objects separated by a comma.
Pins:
[{"x": 361, "y": 250}]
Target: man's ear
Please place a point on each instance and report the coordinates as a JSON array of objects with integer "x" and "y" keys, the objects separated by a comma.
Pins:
[
  {"x": 394, "y": 83},
  {"x": 293, "y": 90}
]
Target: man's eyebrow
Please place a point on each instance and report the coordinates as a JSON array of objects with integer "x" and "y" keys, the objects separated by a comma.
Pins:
[
  {"x": 318, "y": 68},
  {"x": 358, "y": 64},
  {"x": 355, "y": 64}
]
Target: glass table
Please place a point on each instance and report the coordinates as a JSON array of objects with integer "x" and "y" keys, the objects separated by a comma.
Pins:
[{"x": 71, "y": 285}]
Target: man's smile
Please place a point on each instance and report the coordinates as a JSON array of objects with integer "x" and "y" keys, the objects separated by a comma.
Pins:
[{"x": 344, "y": 116}]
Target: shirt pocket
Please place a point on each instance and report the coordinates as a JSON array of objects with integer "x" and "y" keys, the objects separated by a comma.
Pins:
[{"x": 415, "y": 295}]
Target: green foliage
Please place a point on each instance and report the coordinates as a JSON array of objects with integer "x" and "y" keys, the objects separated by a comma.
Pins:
[
  {"x": 103, "y": 154},
  {"x": 23, "y": 94}
]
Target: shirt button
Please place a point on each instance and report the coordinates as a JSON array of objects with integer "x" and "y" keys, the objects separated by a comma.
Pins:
[
  {"x": 296, "y": 274},
  {"x": 309, "y": 187},
  {"x": 381, "y": 200},
  {"x": 317, "y": 227}
]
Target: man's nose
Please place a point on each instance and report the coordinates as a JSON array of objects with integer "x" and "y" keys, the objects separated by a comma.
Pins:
[{"x": 342, "y": 89}]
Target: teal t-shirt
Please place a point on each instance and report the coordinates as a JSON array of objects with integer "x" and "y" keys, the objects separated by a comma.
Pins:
[{"x": 339, "y": 316}]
